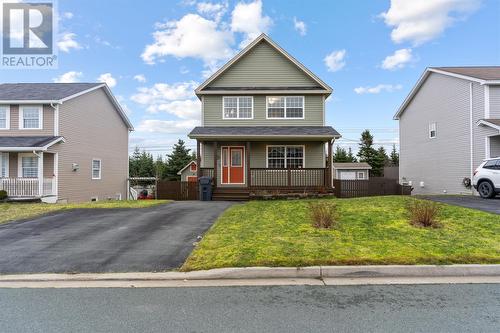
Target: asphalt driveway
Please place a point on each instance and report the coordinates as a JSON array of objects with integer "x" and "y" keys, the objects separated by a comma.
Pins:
[
  {"x": 106, "y": 240},
  {"x": 486, "y": 205}
]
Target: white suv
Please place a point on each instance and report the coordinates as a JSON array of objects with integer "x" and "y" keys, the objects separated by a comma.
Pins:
[{"x": 486, "y": 178}]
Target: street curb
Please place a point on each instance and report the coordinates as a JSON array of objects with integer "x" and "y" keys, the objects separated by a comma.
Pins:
[{"x": 313, "y": 272}]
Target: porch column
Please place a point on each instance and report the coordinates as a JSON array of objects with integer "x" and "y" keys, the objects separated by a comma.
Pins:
[
  {"x": 247, "y": 162},
  {"x": 215, "y": 163},
  {"x": 40, "y": 174},
  {"x": 329, "y": 164},
  {"x": 198, "y": 159}
]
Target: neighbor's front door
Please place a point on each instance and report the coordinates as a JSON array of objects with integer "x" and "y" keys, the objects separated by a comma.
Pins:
[{"x": 233, "y": 165}]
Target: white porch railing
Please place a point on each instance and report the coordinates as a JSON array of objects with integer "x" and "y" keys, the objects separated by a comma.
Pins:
[{"x": 27, "y": 187}]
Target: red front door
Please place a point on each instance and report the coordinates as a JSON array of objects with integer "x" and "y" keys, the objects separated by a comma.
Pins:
[{"x": 233, "y": 165}]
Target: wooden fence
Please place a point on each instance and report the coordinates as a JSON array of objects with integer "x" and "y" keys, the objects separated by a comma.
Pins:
[
  {"x": 176, "y": 190},
  {"x": 365, "y": 188}
]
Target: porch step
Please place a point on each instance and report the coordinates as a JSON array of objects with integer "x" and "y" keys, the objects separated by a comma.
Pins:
[{"x": 230, "y": 195}]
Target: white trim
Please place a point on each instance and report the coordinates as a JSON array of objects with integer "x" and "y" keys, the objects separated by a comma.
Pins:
[
  {"x": 21, "y": 117},
  {"x": 285, "y": 107},
  {"x": 92, "y": 169},
  {"x": 82, "y": 93},
  {"x": 202, "y": 110},
  {"x": 324, "y": 109},
  {"x": 286, "y": 147},
  {"x": 285, "y": 137},
  {"x": 6, "y": 157},
  {"x": 7, "y": 118},
  {"x": 486, "y": 102},
  {"x": 251, "y": 46},
  {"x": 56, "y": 120},
  {"x": 40, "y": 174},
  {"x": 243, "y": 160},
  {"x": 28, "y": 149},
  {"x": 487, "y": 123},
  {"x": 187, "y": 165},
  {"x": 432, "y": 127},
  {"x": 237, "y": 108},
  {"x": 460, "y": 76},
  {"x": 360, "y": 173},
  {"x": 263, "y": 92},
  {"x": 487, "y": 147},
  {"x": 56, "y": 174},
  {"x": 471, "y": 129},
  {"x": 20, "y": 164}
]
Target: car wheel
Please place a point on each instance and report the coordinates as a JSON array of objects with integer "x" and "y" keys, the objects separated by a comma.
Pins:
[{"x": 486, "y": 190}]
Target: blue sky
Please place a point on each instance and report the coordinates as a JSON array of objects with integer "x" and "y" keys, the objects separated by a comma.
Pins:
[{"x": 153, "y": 53}]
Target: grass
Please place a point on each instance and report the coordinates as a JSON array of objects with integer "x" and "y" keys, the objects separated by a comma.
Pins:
[
  {"x": 18, "y": 211},
  {"x": 372, "y": 230}
]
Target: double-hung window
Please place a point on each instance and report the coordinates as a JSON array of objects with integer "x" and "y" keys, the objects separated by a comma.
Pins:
[
  {"x": 279, "y": 157},
  {"x": 285, "y": 107},
  {"x": 4, "y": 165},
  {"x": 237, "y": 107},
  {"x": 432, "y": 130},
  {"x": 29, "y": 166},
  {"x": 96, "y": 169},
  {"x": 4, "y": 117},
  {"x": 30, "y": 117}
]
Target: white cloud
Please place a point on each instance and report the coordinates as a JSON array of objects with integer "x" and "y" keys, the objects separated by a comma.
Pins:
[
  {"x": 68, "y": 15},
  {"x": 67, "y": 42},
  {"x": 421, "y": 21},
  {"x": 300, "y": 26},
  {"x": 68, "y": 77},
  {"x": 335, "y": 60},
  {"x": 163, "y": 92},
  {"x": 140, "y": 78},
  {"x": 398, "y": 60},
  {"x": 166, "y": 126},
  {"x": 124, "y": 105},
  {"x": 108, "y": 79},
  {"x": 248, "y": 19},
  {"x": 212, "y": 10},
  {"x": 191, "y": 36},
  {"x": 377, "y": 89},
  {"x": 186, "y": 109}
]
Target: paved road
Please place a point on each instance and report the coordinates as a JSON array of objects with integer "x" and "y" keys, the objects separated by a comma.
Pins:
[
  {"x": 424, "y": 308},
  {"x": 103, "y": 240},
  {"x": 487, "y": 205}
]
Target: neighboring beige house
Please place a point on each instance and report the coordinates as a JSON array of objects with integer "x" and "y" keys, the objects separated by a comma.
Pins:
[
  {"x": 449, "y": 123},
  {"x": 351, "y": 171},
  {"x": 263, "y": 124},
  {"x": 189, "y": 173},
  {"x": 62, "y": 142}
]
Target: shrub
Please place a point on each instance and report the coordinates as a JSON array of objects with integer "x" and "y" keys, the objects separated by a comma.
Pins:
[
  {"x": 3, "y": 195},
  {"x": 423, "y": 213},
  {"x": 324, "y": 215}
]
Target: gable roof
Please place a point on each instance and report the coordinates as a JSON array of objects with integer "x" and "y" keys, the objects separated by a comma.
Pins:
[
  {"x": 493, "y": 123},
  {"x": 484, "y": 75},
  {"x": 351, "y": 165},
  {"x": 263, "y": 37},
  {"x": 54, "y": 93},
  {"x": 187, "y": 165}
]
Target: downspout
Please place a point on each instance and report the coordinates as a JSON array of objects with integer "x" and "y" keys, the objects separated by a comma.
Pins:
[{"x": 471, "y": 129}]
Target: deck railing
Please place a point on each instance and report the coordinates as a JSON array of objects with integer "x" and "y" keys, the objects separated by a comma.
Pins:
[
  {"x": 27, "y": 187},
  {"x": 286, "y": 178},
  {"x": 207, "y": 172}
]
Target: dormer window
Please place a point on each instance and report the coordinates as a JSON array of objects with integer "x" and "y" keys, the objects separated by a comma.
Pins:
[
  {"x": 30, "y": 117},
  {"x": 285, "y": 107},
  {"x": 237, "y": 107}
]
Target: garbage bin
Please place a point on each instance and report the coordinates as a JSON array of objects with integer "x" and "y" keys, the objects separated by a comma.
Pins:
[{"x": 205, "y": 188}]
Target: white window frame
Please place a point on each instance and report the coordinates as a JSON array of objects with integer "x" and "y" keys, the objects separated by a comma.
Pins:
[
  {"x": 237, "y": 107},
  {"x": 362, "y": 174},
  {"x": 40, "y": 117},
  {"x": 432, "y": 127},
  {"x": 92, "y": 169},
  {"x": 7, "y": 117},
  {"x": 284, "y": 115},
  {"x": 286, "y": 148},
  {"x": 4, "y": 157},
  {"x": 20, "y": 164}
]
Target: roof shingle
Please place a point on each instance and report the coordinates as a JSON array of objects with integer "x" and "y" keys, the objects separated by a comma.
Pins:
[
  {"x": 250, "y": 131},
  {"x": 479, "y": 72},
  {"x": 41, "y": 91},
  {"x": 26, "y": 141}
]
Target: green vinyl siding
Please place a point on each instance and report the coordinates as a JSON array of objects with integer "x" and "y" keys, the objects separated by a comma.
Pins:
[
  {"x": 212, "y": 113},
  {"x": 263, "y": 66}
]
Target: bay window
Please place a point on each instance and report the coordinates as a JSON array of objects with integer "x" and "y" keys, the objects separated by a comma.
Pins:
[
  {"x": 237, "y": 107},
  {"x": 285, "y": 107},
  {"x": 279, "y": 157}
]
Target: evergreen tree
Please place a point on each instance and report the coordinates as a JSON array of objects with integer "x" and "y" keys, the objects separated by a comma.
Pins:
[
  {"x": 367, "y": 153},
  {"x": 381, "y": 160},
  {"x": 134, "y": 162},
  {"x": 340, "y": 155},
  {"x": 176, "y": 161},
  {"x": 159, "y": 166},
  {"x": 350, "y": 156},
  {"x": 394, "y": 156}
]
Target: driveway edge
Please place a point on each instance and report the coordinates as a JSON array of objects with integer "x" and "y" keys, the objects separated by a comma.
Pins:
[{"x": 313, "y": 272}]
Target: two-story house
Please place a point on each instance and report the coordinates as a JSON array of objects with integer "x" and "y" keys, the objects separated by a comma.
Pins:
[
  {"x": 62, "y": 142},
  {"x": 263, "y": 124},
  {"x": 449, "y": 123}
]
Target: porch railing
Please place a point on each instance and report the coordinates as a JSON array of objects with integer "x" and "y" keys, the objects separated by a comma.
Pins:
[
  {"x": 27, "y": 187},
  {"x": 207, "y": 172},
  {"x": 286, "y": 178}
]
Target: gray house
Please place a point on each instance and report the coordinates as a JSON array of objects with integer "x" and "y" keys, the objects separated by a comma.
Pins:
[
  {"x": 263, "y": 124},
  {"x": 62, "y": 142},
  {"x": 448, "y": 124}
]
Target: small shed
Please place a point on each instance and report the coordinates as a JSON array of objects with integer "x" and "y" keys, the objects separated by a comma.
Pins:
[
  {"x": 189, "y": 172},
  {"x": 351, "y": 171}
]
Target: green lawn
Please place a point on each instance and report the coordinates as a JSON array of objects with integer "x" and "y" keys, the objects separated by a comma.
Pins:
[
  {"x": 371, "y": 231},
  {"x": 18, "y": 211}
]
